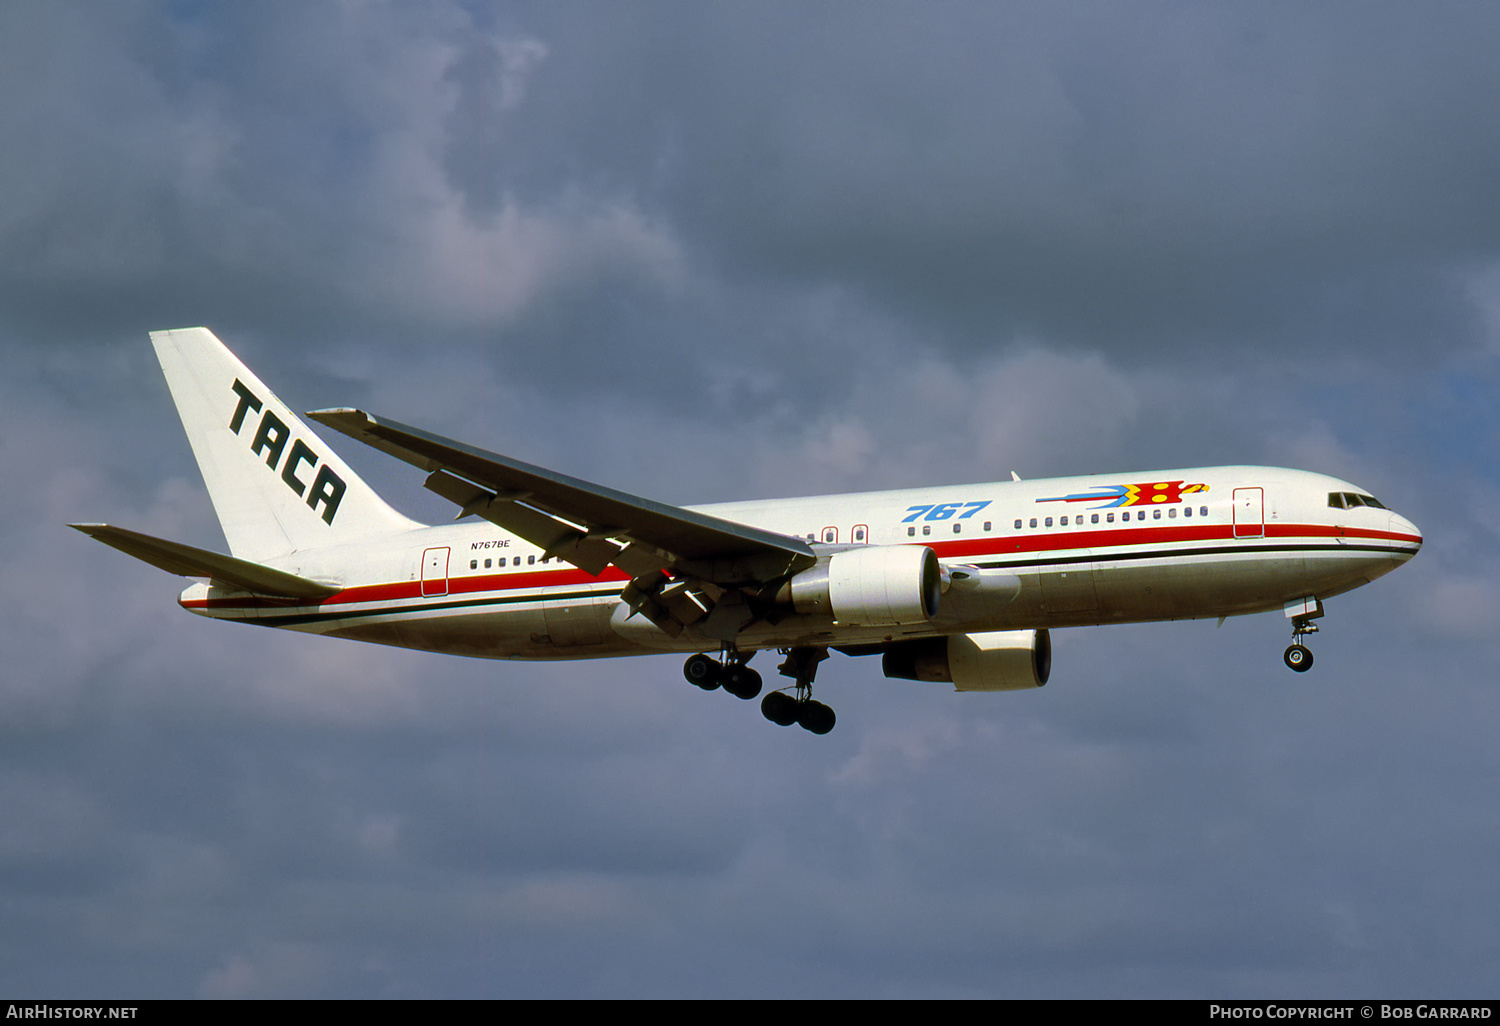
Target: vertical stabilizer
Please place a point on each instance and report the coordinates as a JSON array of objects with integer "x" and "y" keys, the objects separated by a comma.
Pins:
[{"x": 275, "y": 485}]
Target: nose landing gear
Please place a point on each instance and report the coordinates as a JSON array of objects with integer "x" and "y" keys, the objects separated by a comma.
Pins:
[
  {"x": 1302, "y": 613},
  {"x": 1298, "y": 656}
]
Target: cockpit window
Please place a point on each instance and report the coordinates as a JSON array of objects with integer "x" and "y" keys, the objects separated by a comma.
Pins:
[{"x": 1349, "y": 500}]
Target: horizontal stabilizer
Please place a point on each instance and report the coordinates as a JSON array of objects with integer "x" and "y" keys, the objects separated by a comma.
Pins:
[{"x": 187, "y": 561}]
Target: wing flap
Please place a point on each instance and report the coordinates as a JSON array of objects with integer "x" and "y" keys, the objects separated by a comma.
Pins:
[
  {"x": 555, "y": 537},
  {"x": 586, "y": 524},
  {"x": 187, "y": 561}
]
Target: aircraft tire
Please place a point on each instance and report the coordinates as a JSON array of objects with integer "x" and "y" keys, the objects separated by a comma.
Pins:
[
  {"x": 740, "y": 681},
  {"x": 702, "y": 671},
  {"x": 815, "y": 717},
  {"x": 1298, "y": 658},
  {"x": 780, "y": 708}
]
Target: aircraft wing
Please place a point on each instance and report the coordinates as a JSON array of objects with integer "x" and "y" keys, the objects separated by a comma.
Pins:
[
  {"x": 187, "y": 561},
  {"x": 592, "y": 526}
]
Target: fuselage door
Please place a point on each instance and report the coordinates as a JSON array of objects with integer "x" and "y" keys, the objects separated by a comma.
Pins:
[
  {"x": 435, "y": 571},
  {"x": 1249, "y": 513}
]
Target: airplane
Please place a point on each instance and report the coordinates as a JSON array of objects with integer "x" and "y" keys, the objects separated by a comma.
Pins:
[{"x": 960, "y": 584}]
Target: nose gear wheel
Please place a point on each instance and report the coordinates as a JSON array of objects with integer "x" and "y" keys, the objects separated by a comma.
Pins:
[{"x": 1298, "y": 656}]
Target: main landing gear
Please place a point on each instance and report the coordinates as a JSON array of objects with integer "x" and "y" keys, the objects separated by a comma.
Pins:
[
  {"x": 734, "y": 676},
  {"x": 783, "y": 709},
  {"x": 1297, "y": 656}
]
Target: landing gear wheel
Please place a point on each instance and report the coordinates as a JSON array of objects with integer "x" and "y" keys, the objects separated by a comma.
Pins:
[
  {"x": 815, "y": 717},
  {"x": 740, "y": 681},
  {"x": 702, "y": 671},
  {"x": 801, "y": 665},
  {"x": 1298, "y": 658},
  {"x": 780, "y": 708}
]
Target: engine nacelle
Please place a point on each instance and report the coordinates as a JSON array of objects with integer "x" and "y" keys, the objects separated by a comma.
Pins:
[
  {"x": 991, "y": 661},
  {"x": 872, "y": 586}
]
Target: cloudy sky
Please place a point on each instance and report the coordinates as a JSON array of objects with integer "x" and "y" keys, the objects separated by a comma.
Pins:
[{"x": 713, "y": 251}]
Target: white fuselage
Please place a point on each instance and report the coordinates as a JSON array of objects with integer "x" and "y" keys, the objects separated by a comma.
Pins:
[{"x": 1121, "y": 548}]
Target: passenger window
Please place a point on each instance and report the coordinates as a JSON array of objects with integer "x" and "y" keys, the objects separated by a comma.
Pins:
[
  {"x": 1109, "y": 517},
  {"x": 1156, "y": 514},
  {"x": 473, "y": 564},
  {"x": 1018, "y": 525},
  {"x": 1065, "y": 521},
  {"x": 911, "y": 532},
  {"x": 986, "y": 527},
  {"x": 1203, "y": 511},
  {"x": 1033, "y": 523},
  {"x": 1049, "y": 521},
  {"x": 1094, "y": 519},
  {"x": 487, "y": 564},
  {"x": 530, "y": 560},
  {"x": 1187, "y": 511},
  {"x": 926, "y": 530}
]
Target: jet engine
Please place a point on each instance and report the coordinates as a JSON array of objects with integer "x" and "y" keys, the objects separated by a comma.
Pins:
[
  {"x": 871, "y": 586},
  {"x": 991, "y": 661}
]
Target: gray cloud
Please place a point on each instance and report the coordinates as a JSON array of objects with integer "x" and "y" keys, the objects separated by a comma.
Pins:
[{"x": 714, "y": 252}]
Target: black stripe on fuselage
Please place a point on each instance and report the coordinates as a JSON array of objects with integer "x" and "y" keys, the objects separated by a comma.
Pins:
[
  {"x": 298, "y": 619},
  {"x": 1245, "y": 546},
  {"x": 1240, "y": 548}
]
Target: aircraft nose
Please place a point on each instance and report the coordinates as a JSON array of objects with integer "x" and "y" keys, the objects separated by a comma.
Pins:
[{"x": 1407, "y": 532}]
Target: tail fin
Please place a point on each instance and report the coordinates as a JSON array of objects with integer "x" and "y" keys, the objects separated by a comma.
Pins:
[{"x": 275, "y": 485}]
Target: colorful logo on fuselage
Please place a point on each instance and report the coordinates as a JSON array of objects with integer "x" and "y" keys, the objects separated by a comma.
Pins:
[{"x": 1152, "y": 493}]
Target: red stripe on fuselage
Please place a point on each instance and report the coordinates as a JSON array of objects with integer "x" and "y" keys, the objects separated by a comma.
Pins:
[
  {"x": 1058, "y": 540},
  {"x": 1063, "y": 539}
]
